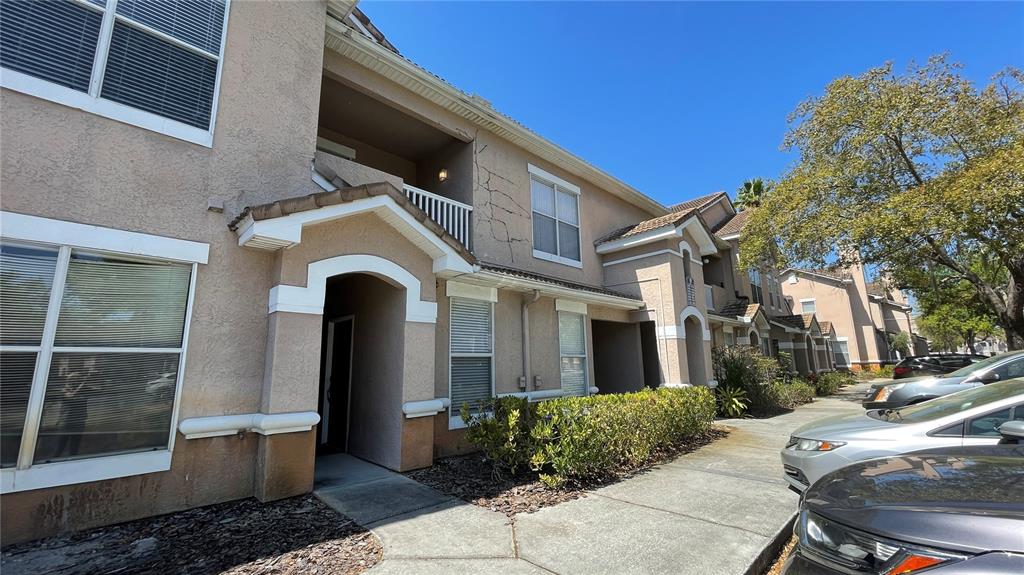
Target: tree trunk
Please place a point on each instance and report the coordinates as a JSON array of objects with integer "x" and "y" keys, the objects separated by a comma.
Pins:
[{"x": 969, "y": 342}]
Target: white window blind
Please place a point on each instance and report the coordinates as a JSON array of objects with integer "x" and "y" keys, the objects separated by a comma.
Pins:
[
  {"x": 729, "y": 338},
  {"x": 471, "y": 362},
  {"x": 572, "y": 344},
  {"x": 158, "y": 56},
  {"x": 106, "y": 371},
  {"x": 808, "y": 306},
  {"x": 842, "y": 353},
  {"x": 556, "y": 223}
]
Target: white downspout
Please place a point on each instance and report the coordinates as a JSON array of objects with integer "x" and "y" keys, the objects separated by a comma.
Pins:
[{"x": 525, "y": 384}]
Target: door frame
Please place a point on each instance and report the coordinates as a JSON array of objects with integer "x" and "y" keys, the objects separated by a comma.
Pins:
[{"x": 325, "y": 405}]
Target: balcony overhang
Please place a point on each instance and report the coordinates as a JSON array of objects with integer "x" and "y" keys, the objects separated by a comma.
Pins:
[{"x": 279, "y": 225}]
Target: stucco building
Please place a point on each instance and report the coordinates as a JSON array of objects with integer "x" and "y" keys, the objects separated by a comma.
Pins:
[
  {"x": 864, "y": 315},
  {"x": 286, "y": 239}
]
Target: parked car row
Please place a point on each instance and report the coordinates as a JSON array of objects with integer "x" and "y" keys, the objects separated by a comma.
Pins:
[
  {"x": 933, "y": 364},
  {"x": 928, "y": 480}
]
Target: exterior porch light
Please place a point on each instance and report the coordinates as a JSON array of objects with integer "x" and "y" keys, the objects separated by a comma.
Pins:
[{"x": 443, "y": 174}]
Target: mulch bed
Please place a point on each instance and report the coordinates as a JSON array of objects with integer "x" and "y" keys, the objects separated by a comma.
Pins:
[
  {"x": 473, "y": 478},
  {"x": 297, "y": 535},
  {"x": 780, "y": 562}
]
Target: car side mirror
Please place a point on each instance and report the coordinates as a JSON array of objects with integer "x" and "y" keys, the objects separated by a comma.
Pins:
[
  {"x": 1012, "y": 431},
  {"x": 987, "y": 377}
]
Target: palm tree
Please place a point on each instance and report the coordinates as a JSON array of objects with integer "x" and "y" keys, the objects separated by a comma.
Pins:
[{"x": 750, "y": 193}]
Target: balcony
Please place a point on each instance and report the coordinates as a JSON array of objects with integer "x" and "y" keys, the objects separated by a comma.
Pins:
[
  {"x": 455, "y": 217},
  {"x": 366, "y": 140}
]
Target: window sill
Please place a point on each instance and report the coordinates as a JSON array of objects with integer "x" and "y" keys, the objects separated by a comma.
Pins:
[
  {"x": 557, "y": 259},
  {"x": 32, "y": 86},
  {"x": 83, "y": 471}
]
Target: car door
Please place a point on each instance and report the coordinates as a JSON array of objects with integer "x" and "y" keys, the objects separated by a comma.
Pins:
[{"x": 984, "y": 429}]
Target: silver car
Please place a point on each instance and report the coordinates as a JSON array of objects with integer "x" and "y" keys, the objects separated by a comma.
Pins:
[
  {"x": 917, "y": 389},
  {"x": 969, "y": 417}
]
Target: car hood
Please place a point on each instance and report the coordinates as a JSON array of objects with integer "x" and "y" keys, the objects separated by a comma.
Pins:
[
  {"x": 840, "y": 426},
  {"x": 970, "y": 501}
]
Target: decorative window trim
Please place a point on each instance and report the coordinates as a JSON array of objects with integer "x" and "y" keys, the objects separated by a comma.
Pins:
[
  {"x": 67, "y": 236},
  {"x": 558, "y": 184},
  {"x": 571, "y": 306},
  {"x": 468, "y": 291},
  {"x": 454, "y": 418},
  {"x": 809, "y": 300},
  {"x": 93, "y": 103}
]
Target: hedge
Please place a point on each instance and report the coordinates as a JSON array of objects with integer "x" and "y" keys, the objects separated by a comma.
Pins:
[{"x": 577, "y": 439}]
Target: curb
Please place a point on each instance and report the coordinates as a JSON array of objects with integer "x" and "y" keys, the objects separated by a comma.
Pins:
[{"x": 768, "y": 555}]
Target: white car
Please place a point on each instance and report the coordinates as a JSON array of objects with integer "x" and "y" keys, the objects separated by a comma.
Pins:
[{"x": 969, "y": 417}]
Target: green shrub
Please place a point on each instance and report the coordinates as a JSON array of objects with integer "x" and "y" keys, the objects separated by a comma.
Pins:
[
  {"x": 743, "y": 367},
  {"x": 792, "y": 394},
  {"x": 732, "y": 401},
  {"x": 831, "y": 382},
  {"x": 573, "y": 439},
  {"x": 886, "y": 372}
]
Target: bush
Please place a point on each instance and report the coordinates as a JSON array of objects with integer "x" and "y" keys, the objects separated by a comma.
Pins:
[
  {"x": 744, "y": 368},
  {"x": 829, "y": 383},
  {"x": 790, "y": 395},
  {"x": 886, "y": 372},
  {"x": 732, "y": 401},
  {"x": 574, "y": 439}
]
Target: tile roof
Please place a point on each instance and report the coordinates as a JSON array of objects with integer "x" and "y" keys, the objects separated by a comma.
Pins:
[
  {"x": 696, "y": 203},
  {"x": 345, "y": 194},
  {"x": 794, "y": 321},
  {"x": 826, "y": 327},
  {"x": 670, "y": 219},
  {"x": 876, "y": 289},
  {"x": 733, "y": 225},
  {"x": 808, "y": 320},
  {"x": 522, "y": 274},
  {"x": 836, "y": 275}
]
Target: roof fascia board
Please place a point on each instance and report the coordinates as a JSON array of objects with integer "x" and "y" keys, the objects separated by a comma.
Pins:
[
  {"x": 364, "y": 52},
  {"x": 501, "y": 281},
  {"x": 788, "y": 271}
]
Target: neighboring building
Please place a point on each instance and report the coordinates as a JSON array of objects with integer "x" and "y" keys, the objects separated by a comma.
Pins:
[
  {"x": 343, "y": 247},
  {"x": 748, "y": 308},
  {"x": 865, "y": 316}
]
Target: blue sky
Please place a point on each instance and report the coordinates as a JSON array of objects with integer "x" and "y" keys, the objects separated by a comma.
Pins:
[{"x": 682, "y": 99}]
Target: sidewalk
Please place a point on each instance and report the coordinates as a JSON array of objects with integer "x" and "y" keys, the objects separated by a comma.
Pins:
[{"x": 715, "y": 510}]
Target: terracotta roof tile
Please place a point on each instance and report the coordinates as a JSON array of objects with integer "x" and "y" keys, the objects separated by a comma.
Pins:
[
  {"x": 836, "y": 275},
  {"x": 794, "y": 321},
  {"x": 696, "y": 203},
  {"x": 733, "y": 225},
  {"x": 826, "y": 327},
  {"x": 670, "y": 219},
  {"x": 344, "y": 195},
  {"x": 517, "y": 273}
]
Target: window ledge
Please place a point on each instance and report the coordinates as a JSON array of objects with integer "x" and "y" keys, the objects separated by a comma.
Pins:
[
  {"x": 83, "y": 470},
  {"x": 19, "y": 82},
  {"x": 557, "y": 259}
]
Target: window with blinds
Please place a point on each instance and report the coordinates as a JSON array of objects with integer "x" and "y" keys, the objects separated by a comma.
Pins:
[
  {"x": 842, "y": 353},
  {"x": 90, "y": 349},
  {"x": 572, "y": 344},
  {"x": 556, "y": 218},
  {"x": 119, "y": 57},
  {"x": 472, "y": 354}
]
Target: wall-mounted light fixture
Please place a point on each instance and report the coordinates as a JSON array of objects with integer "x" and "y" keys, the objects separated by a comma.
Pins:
[{"x": 443, "y": 174}]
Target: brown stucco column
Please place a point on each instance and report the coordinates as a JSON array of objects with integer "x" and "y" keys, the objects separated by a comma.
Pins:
[
  {"x": 284, "y": 462},
  {"x": 418, "y": 373}
]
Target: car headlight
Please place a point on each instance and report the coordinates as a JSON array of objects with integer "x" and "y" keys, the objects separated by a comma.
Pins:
[
  {"x": 886, "y": 391},
  {"x": 838, "y": 544},
  {"x": 801, "y": 444}
]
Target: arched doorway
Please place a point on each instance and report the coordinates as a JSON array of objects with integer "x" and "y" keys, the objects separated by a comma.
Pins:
[
  {"x": 811, "y": 359},
  {"x": 694, "y": 332},
  {"x": 361, "y": 358},
  {"x": 755, "y": 340}
]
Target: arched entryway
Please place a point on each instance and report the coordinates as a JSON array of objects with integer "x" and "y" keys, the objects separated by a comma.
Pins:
[
  {"x": 755, "y": 340},
  {"x": 694, "y": 332},
  {"x": 811, "y": 359},
  {"x": 362, "y": 351}
]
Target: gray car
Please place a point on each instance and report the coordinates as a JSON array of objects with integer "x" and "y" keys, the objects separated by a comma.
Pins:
[
  {"x": 912, "y": 390},
  {"x": 969, "y": 417},
  {"x": 956, "y": 512}
]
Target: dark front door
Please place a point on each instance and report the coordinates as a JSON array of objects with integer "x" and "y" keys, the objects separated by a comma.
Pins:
[{"x": 334, "y": 401}]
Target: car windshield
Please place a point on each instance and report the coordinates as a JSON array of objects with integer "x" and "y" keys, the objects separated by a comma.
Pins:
[
  {"x": 973, "y": 367},
  {"x": 956, "y": 402}
]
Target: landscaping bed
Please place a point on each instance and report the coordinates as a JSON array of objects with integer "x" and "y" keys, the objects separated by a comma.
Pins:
[
  {"x": 297, "y": 535},
  {"x": 780, "y": 561},
  {"x": 473, "y": 478}
]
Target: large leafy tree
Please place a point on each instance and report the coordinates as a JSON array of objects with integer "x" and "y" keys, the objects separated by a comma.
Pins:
[
  {"x": 915, "y": 173},
  {"x": 750, "y": 193}
]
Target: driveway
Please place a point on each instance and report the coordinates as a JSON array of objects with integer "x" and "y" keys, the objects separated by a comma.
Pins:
[{"x": 719, "y": 509}]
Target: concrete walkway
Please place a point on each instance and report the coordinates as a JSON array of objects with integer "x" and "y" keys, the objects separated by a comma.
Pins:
[{"x": 717, "y": 510}]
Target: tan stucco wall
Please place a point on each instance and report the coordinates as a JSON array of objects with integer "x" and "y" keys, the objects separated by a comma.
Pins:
[
  {"x": 843, "y": 305},
  {"x": 62, "y": 163}
]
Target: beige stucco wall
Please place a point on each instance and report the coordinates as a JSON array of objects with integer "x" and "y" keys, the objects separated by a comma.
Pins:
[
  {"x": 841, "y": 304},
  {"x": 62, "y": 163}
]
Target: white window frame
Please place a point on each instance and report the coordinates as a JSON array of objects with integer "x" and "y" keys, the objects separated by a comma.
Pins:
[
  {"x": 578, "y": 309},
  {"x": 844, "y": 344},
  {"x": 557, "y": 184},
  {"x": 464, "y": 291},
  {"x": 93, "y": 103},
  {"x": 728, "y": 338},
  {"x": 65, "y": 236},
  {"x": 809, "y": 300}
]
